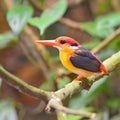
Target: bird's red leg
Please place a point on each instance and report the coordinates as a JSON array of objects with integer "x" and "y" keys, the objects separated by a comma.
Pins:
[{"x": 79, "y": 78}]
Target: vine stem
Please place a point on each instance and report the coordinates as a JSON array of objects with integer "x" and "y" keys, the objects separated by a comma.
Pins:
[
  {"x": 105, "y": 42},
  {"x": 22, "y": 86}
]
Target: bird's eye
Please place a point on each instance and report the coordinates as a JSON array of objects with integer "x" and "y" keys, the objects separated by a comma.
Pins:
[
  {"x": 62, "y": 41},
  {"x": 74, "y": 44}
]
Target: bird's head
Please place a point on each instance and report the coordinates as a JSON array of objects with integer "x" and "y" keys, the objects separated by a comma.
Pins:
[{"x": 62, "y": 43}]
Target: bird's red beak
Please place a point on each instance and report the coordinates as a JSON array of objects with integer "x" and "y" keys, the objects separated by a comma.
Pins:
[{"x": 48, "y": 43}]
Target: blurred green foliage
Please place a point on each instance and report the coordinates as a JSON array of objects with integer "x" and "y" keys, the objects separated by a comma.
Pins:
[
  {"x": 18, "y": 16},
  {"x": 49, "y": 16},
  {"x": 101, "y": 28}
]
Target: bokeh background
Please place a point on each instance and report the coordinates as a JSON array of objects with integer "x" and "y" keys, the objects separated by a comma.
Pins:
[{"x": 89, "y": 22}]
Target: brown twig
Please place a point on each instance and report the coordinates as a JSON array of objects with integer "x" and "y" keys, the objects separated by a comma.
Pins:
[
  {"x": 71, "y": 23},
  {"x": 33, "y": 55},
  {"x": 106, "y": 41},
  {"x": 56, "y": 104}
]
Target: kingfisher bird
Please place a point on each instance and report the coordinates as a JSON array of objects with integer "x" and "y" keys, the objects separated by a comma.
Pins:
[{"x": 75, "y": 57}]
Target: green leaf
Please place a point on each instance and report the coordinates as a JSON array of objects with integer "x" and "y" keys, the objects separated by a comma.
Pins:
[
  {"x": 6, "y": 38},
  {"x": 7, "y": 111},
  {"x": 103, "y": 26},
  {"x": 49, "y": 16},
  {"x": 18, "y": 16}
]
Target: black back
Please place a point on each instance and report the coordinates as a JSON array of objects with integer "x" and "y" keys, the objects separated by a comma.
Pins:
[{"x": 85, "y": 60}]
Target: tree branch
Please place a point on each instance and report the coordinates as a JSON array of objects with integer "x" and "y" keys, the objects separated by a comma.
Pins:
[
  {"x": 23, "y": 86},
  {"x": 71, "y": 23},
  {"x": 55, "y": 102},
  {"x": 54, "y": 98},
  {"x": 75, "y": 86},
  {"x": 106, "y": 41},
  {"x": 57, "y": 105}
]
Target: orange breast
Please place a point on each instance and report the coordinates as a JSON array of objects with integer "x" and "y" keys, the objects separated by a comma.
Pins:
[{"x": 65, "y": 59}]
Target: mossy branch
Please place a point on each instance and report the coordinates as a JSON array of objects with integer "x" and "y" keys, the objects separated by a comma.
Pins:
[
  {"x": 23, "y": 86},
  {"x": 75, "y": 86}
]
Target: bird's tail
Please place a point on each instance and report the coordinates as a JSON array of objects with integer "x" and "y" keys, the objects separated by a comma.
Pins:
[{"x": 103, "y": 69}]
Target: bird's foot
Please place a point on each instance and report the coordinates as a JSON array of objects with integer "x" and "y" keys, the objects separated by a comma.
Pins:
[{"x": 79, "y": 78}]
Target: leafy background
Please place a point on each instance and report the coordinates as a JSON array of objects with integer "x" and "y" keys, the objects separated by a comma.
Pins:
[{"x": 24, "y": 22}]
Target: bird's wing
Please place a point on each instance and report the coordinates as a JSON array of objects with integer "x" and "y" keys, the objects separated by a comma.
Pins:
[{"x": 85, "y": 60}]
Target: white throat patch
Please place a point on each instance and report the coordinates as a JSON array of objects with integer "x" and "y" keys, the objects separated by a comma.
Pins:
[{"x": 74, "y": 47}]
